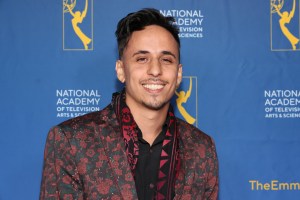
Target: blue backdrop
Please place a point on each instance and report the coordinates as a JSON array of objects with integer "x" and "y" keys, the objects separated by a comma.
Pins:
[{"x": 241, "y": 67}]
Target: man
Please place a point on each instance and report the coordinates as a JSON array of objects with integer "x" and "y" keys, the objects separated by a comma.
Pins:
[{"x": 135, "y": 148}]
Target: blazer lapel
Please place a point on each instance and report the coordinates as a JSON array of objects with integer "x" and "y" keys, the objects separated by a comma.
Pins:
[{"x": 115, "y": 151}]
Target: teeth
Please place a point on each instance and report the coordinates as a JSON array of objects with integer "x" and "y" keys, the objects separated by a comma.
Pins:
[{"x": 153, "y": 87}]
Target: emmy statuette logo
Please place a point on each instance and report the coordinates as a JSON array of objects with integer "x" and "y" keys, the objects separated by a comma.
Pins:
[
  {"x": 186, "y": 100},
  {"x": 77, "y": 25},
  {"x": 284, "y": 25}
]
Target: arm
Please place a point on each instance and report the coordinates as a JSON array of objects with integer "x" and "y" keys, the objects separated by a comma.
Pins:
[
  {"x": 176, "y": 93},
  {"x": 60, "y": 179},
  {"x": 85, "y": 9},
  {"x": 293, "y": 10},
  {"x": 188, "y": 94},
  {"x": 212, "y": 186}
]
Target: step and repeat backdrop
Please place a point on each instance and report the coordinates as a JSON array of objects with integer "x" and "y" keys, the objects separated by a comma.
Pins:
[{"x": 241, "y": 84}]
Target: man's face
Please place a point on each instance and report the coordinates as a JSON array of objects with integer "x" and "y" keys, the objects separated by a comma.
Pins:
[{"x": 150, "y": 68}]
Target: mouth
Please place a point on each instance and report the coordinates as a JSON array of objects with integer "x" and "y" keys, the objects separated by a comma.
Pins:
[{"x": 154, "y": 85}]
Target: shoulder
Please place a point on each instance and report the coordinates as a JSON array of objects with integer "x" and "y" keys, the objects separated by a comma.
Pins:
[
  {"x": 195, "y": 145},
  {"x": 97, "y": 117},
  {"x": 192, "y": 136},
  {"x": 83, "y": 127}
]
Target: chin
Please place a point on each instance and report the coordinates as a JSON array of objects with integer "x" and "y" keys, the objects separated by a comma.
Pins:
[{"x": 155, "y": 105}]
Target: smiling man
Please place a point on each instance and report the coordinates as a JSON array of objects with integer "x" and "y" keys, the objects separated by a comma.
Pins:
[{"x": 135, "y": 148}]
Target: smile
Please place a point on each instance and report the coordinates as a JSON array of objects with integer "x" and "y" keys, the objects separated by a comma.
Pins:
[{"x": 153, "y": 86}]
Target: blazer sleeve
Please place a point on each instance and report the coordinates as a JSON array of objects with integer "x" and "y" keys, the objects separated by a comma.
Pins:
[
  {"x": 60, "y": 178},
  {"x": 212, "y": 186}
]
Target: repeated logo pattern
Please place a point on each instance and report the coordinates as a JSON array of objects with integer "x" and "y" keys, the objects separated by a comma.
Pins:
[
  {"x": 77, "y": 25},
  {"x": 186, "y": 99},
  {"x": 285, "y": 25}
]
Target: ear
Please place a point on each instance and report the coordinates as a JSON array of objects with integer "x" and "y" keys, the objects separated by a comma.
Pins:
[
  {"x": 120, "y": 71},
  {"x": 179, "y": 75}
]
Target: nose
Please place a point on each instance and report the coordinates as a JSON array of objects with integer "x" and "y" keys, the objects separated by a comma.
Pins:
[{"x": 154, "y": 68}]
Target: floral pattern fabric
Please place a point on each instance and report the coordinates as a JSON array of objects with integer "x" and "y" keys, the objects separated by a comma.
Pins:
[{"x": 85, "y": 159}]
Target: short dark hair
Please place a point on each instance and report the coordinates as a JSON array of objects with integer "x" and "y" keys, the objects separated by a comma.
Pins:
[{"x": 137, "y": 21}]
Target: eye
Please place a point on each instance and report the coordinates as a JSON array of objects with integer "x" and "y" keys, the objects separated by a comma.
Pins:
[
  {"x": 167, "y": 60},
  {"x": 141, "y": 59}
]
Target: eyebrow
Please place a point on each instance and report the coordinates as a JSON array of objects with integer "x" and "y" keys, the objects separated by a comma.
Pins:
[
  {"x": 146, "y": 52},
  {"x": 140, "y": 52},
  {"x": 168, "y": 53}
]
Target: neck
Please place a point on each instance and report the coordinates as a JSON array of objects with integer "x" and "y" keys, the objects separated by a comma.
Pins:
[{"x": 150, "y": 122}]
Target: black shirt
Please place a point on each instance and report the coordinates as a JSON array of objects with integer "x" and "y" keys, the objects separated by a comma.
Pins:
[{"x": 148, "y": 165}]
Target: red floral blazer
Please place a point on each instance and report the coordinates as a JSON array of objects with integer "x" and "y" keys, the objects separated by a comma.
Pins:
[{"x": 85, "y": 159}]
